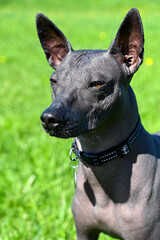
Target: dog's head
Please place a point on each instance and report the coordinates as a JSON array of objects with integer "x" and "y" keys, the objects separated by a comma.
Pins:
[{"x": 89, "y": 87}]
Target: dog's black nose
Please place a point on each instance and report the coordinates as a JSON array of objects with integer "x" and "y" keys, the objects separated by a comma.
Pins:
[{"x": 51, "y": 120}]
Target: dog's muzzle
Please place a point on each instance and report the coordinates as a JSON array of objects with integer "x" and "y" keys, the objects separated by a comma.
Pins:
[{"x": 58, "y": 124}]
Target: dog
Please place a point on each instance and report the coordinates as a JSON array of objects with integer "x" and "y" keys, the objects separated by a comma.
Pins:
[{"x": 118, "y": 178}]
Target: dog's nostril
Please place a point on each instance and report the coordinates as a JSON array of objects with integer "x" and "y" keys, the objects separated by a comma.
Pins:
[
  {"x": 47, "y": 118},
  {"x": 52, "y": 120}
]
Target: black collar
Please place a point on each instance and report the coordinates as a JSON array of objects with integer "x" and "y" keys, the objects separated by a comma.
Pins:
[{"x": 119, "y": 151}]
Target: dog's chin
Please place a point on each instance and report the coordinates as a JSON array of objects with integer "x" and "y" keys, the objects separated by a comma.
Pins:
[{"x": 60, "y": 133}]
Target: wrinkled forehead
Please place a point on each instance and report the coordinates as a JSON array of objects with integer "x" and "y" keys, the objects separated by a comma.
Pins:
[
  {"x": 81, "y": 58},
  {"x": 85, "y": 64}
]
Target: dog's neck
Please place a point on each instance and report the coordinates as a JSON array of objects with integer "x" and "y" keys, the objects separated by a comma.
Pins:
[{"x": 113, "y": 134}]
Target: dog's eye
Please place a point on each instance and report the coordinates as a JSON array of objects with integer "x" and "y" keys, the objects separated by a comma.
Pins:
[
  {"x": 53, "y": 82},
  {"x": 96, "y": 84}
]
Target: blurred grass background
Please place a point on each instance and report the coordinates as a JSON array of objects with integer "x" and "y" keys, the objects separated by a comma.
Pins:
[{"x": 36, "y": 181}]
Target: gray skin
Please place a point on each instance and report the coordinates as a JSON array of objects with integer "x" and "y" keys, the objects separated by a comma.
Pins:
[{"x": 94, "y": 102}]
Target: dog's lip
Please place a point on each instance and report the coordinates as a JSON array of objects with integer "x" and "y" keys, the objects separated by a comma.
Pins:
[
  {"x": 60, "y": 134},
  {"x": 63, "y": 131}
]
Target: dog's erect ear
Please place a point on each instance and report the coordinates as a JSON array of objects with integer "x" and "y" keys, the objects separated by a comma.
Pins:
[
  {"x": 53, "y": 41},
  {"x": 128, "y": 45}
]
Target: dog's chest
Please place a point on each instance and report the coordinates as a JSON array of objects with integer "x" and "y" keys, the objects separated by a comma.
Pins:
[
  {"x": 120, "y": 220},
  {"x": 89, "y": 214},
  {"x": 94, "y": 209}
]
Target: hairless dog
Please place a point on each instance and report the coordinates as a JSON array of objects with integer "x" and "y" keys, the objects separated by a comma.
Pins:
[{"x": 118, "y": 179}]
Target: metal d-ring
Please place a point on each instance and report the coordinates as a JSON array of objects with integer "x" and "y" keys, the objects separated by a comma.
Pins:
[
  {"x": 74, "y": 166},
  {"x": 73, "y": 159}
]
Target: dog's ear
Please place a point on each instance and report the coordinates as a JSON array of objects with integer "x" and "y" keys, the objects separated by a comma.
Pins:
[
  {"x": 128, "y": 45},
  {"x": 53, "y": 41}
]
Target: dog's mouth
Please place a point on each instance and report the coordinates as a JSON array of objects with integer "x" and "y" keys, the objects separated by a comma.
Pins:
[{"x": 63, "y": 131}]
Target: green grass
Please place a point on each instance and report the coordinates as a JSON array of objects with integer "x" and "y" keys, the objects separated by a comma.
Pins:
[{"x": 36, "y": 181}]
